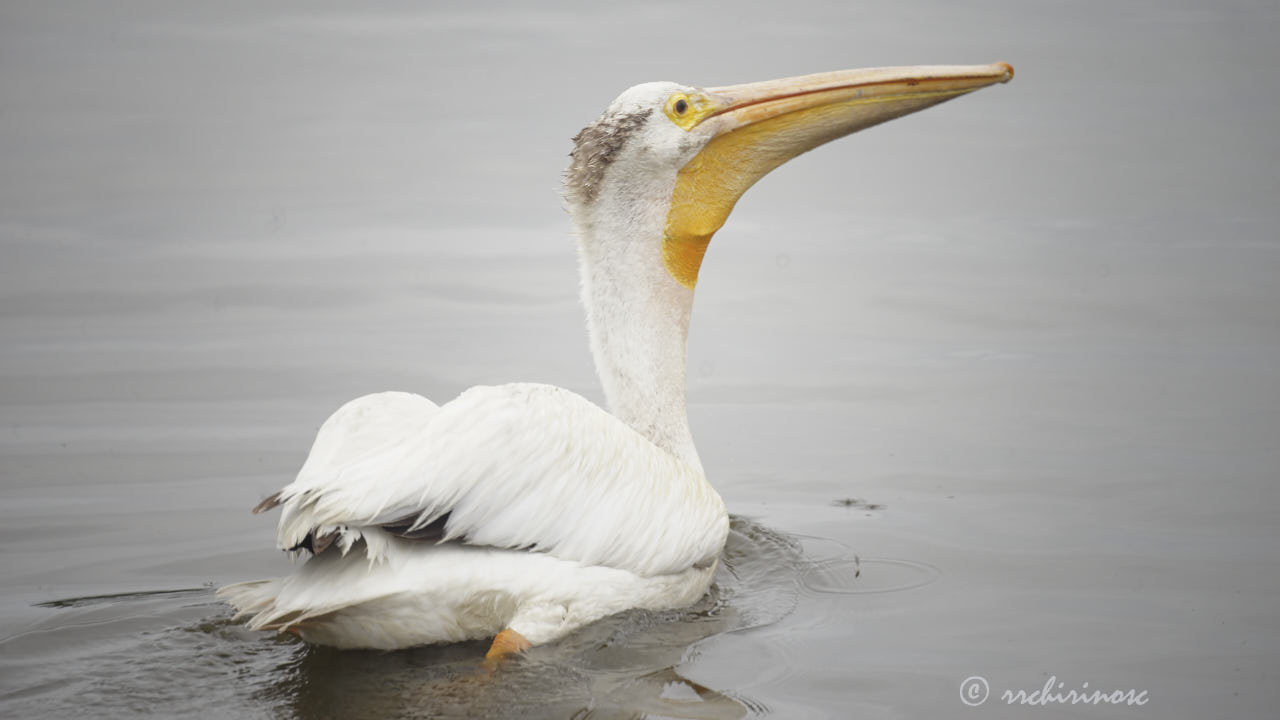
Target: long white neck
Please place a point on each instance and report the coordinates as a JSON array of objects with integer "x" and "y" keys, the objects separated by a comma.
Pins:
[{"x": 638, "y": 320}]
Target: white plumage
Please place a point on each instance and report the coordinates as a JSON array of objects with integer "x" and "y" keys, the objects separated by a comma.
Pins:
[
  {"x": 508, "y": 463},
  {"x": 525, "y": 508},
  {"x": 551, "y": 496},
  {"x": 452, "y": 593}
]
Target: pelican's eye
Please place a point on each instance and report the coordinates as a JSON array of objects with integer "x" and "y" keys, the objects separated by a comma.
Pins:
[{"x": 687, "y": 110}]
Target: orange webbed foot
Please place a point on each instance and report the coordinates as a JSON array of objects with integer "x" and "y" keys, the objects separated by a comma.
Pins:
[{"x": 506, "y": 643}]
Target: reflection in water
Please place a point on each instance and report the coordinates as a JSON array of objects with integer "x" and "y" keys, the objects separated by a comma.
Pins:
[{"x": 141, "y": 653}]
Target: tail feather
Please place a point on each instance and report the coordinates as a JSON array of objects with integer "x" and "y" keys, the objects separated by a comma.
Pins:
[
  {"x": 251, "y": 598},
  {"x": 259, "y": 601},
  {"x": 325, "y": 584}
]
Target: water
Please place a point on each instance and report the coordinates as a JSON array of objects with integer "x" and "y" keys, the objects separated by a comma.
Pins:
[{"x": 994, "y": 390}]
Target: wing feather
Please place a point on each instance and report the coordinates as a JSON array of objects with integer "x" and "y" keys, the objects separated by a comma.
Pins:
[{"x": 512, "y": 466}]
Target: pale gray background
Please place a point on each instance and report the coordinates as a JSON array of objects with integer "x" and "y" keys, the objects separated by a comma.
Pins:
[{"x": 1039, "y": 327}]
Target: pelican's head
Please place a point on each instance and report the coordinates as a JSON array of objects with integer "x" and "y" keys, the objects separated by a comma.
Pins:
[{"x": 666, "y": 163}]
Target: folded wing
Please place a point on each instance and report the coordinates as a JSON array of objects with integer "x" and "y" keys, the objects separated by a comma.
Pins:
[{"x": 513, "y": 466}]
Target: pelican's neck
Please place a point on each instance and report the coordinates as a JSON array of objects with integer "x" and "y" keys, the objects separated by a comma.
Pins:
[{"x": 638, "y": 321}]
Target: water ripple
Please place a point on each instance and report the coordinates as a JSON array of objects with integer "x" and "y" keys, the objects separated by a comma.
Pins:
[{"x": 141, "y": 653}]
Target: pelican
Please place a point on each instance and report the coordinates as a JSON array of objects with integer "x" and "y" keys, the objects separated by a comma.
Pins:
[{"x": 522, "y": 512}]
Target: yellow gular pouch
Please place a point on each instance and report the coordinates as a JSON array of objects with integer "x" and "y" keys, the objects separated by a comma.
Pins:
[
  {"x": 682, "y": 254},
  {"x": 769, "y": 134}
]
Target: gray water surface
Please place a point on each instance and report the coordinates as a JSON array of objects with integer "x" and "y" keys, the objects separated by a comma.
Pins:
[{"x": 993, "y": 390}]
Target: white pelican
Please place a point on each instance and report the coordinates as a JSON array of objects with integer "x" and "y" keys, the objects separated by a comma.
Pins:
[{"x": 522, "y": 512}]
